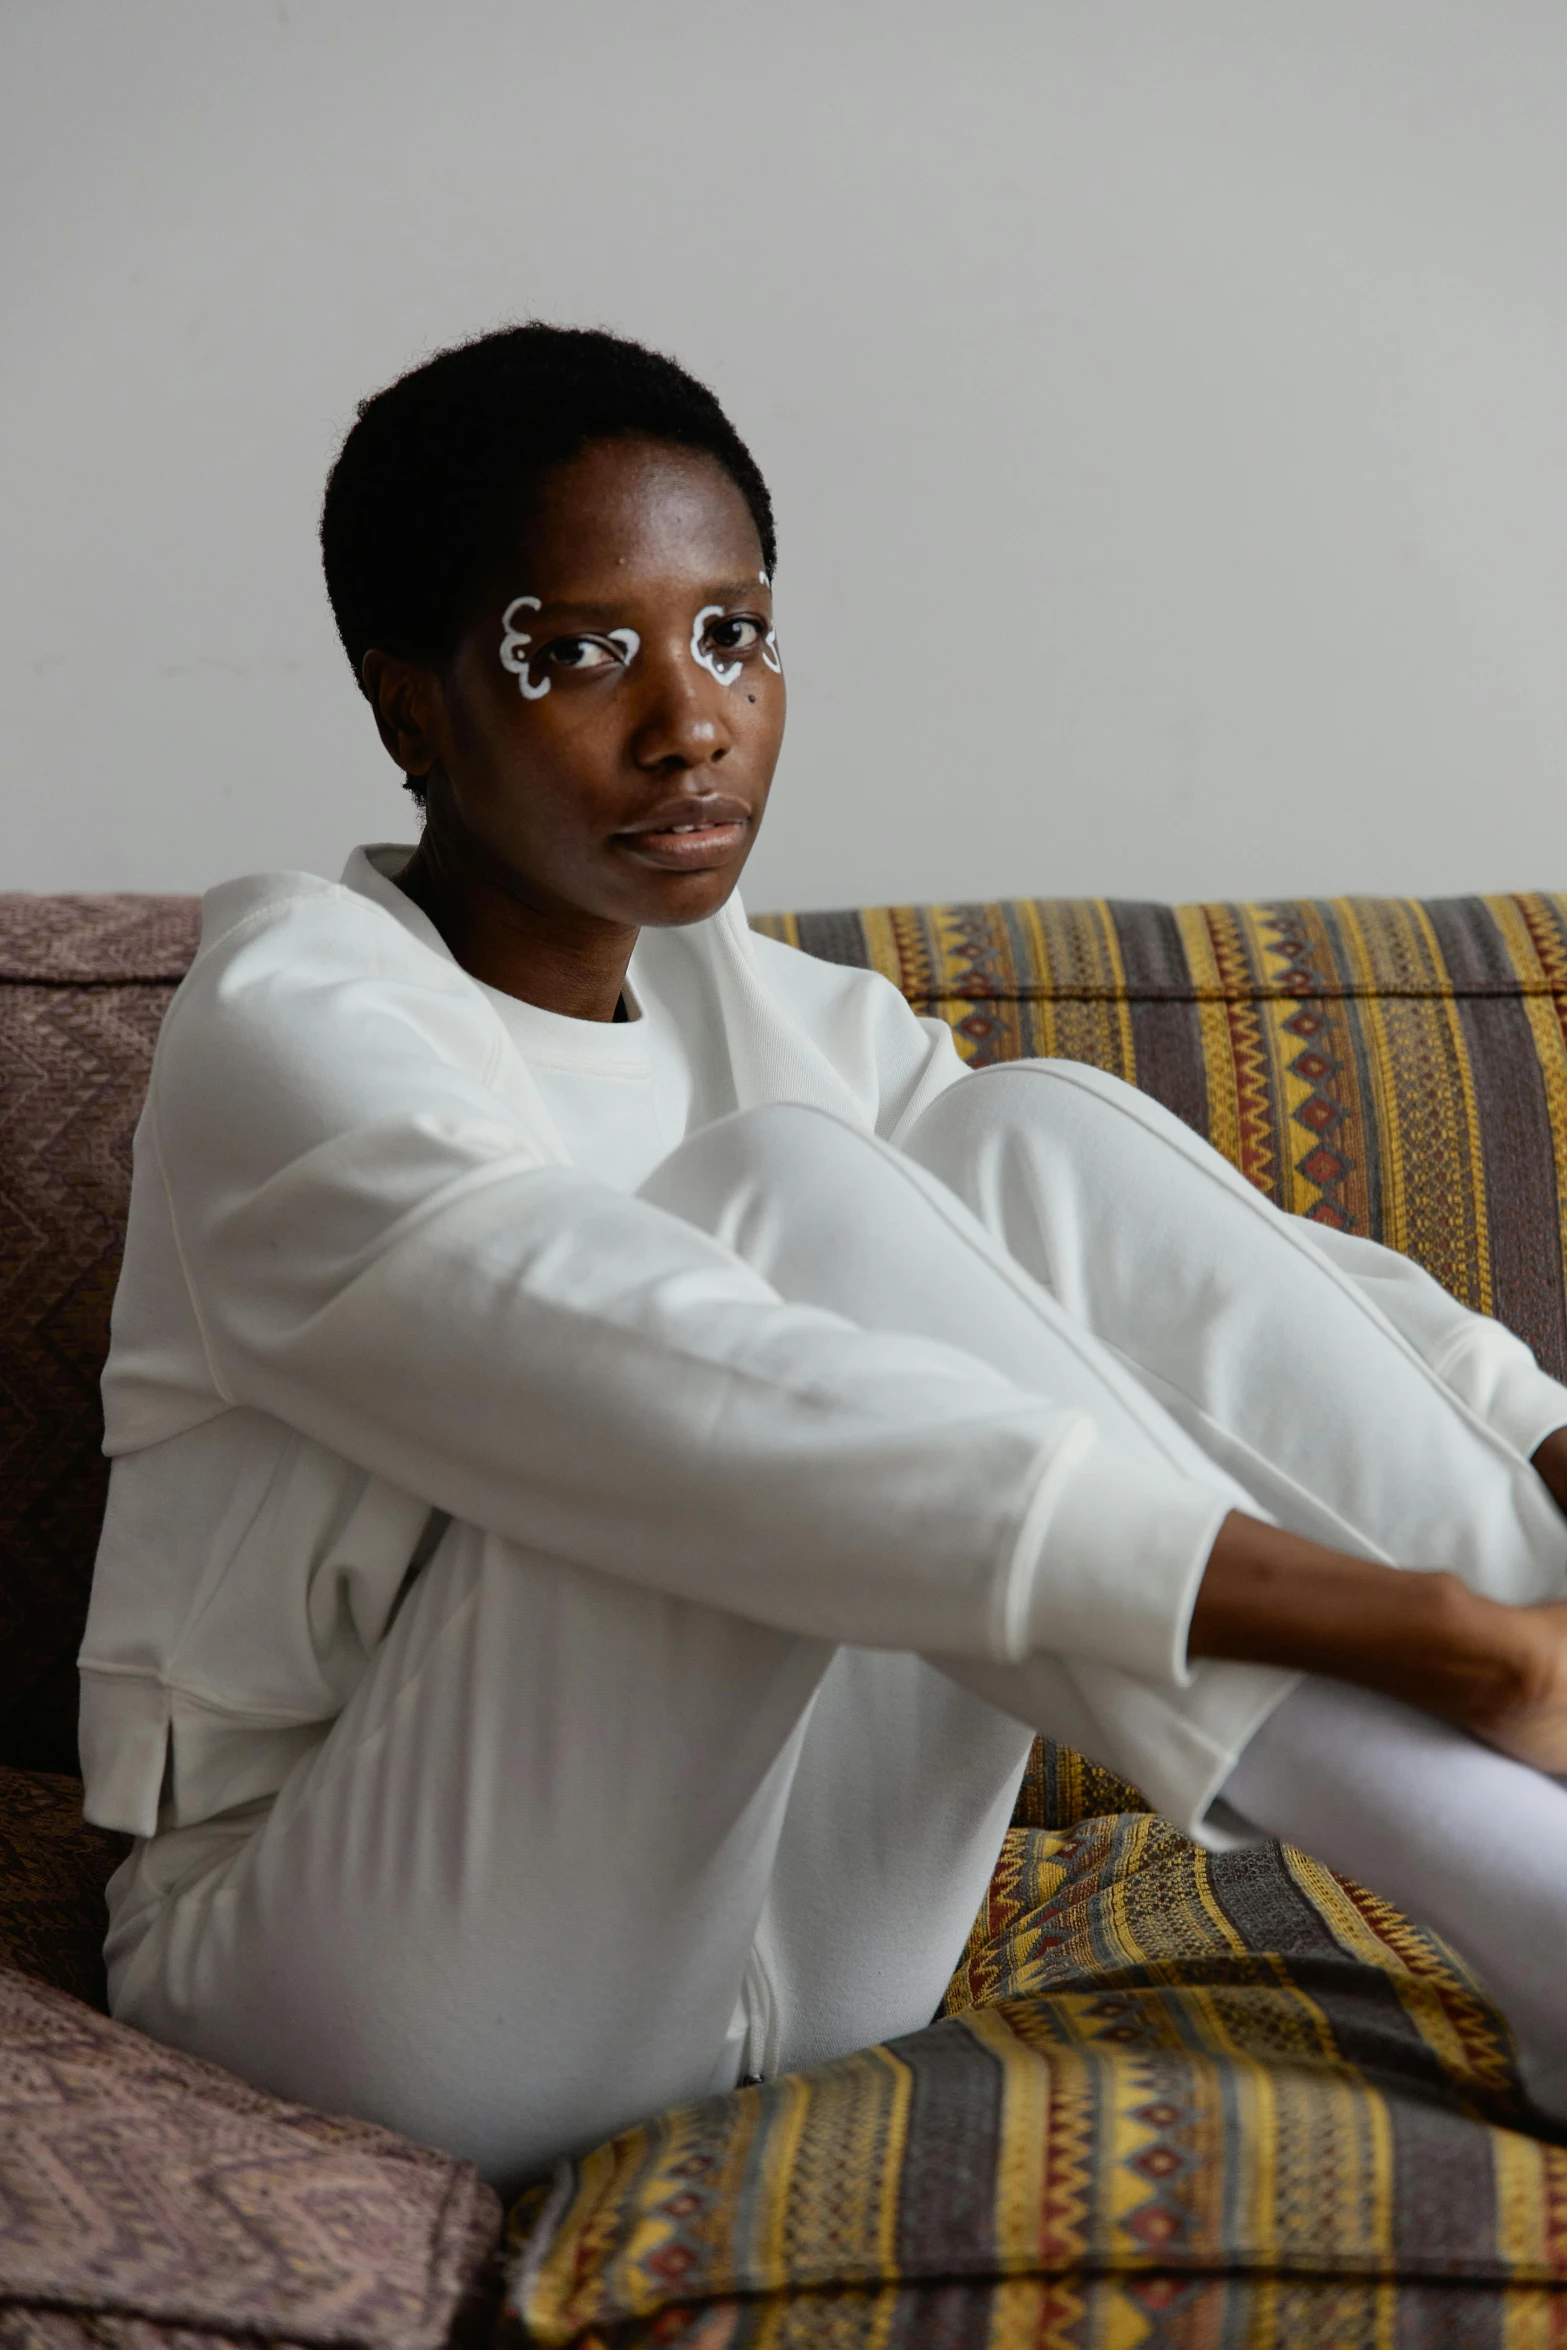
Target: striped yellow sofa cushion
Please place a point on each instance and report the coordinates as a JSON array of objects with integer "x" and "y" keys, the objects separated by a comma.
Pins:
[
  {"x": 1175, "y": 2098},
  {"x": 1393, "y": 1066}
]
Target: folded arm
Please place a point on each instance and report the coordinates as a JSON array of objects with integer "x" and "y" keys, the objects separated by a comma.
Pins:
[{"x": 381, "y": 1254}]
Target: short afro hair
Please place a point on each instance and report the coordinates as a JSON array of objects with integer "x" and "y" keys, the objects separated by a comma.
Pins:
[{"x": 424, "y": 500}]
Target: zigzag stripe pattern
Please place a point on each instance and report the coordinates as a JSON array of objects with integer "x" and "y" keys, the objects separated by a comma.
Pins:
[
  {"x": 1184, "y": 2062},
  {"x": 1258, "y": 1158}
]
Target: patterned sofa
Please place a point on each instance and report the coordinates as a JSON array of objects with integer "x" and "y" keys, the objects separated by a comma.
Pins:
[{"x": 1171, "y": 2099}]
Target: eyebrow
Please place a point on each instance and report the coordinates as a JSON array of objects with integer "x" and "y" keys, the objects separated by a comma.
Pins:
[{"x": 728, "y": 592}]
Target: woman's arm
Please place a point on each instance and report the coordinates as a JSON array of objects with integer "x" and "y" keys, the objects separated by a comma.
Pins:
[
  {"x": 352, "y": 1225},
  {"x": 1272, "y": 1598}
]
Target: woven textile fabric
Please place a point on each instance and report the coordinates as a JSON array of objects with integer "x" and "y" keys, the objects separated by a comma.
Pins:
[
  {"x": 1175, "y": 2097},
  {"x": 141, "y": 2188},
  {"x": 1161, "y": 2310},
  {"x": 84, "y": 983},
  {"x": 1391, "y": 1066},
  {"x": 83, "y": 990}
]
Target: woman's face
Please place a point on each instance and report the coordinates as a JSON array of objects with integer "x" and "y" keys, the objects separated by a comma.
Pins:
[{"x": 603, "y": 739}]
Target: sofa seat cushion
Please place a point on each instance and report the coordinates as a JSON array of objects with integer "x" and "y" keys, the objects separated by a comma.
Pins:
[
  {"x": 1158, "y": 2068},
  {"x": 141, "y": 2187},
  {"x": 1160, "y": 2309}
]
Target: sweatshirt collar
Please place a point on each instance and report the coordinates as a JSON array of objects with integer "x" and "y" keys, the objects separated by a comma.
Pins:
[{"x": 372, "y": 872}]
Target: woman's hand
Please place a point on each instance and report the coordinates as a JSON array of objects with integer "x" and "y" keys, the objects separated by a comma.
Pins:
[{"x": 1499, "y": 1672}]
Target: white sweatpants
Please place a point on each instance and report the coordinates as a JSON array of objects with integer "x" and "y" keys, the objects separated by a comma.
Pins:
[{"x": 574, "y": 1850}]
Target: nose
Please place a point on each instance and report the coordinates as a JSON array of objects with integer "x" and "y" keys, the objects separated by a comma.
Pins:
[{"x": 683, "y": 721}]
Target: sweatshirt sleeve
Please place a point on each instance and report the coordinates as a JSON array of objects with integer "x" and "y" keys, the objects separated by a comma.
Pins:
[
  {"x": 379, "y": 1254},
  {"x": 1479, "y": 1358}
]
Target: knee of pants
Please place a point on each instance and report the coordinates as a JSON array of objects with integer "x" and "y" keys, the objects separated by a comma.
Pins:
[
  {"x": 1069, "y": 1128},
  {"x": 1066, "y": 1110},
  {"x": 828, "y": 1214},
  {"x": 730, "y": 1178},
  {"x": 1037, "y": 1150}
]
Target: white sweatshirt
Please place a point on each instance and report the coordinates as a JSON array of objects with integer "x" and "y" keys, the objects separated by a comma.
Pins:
[{"x": 384, "y": 1258}]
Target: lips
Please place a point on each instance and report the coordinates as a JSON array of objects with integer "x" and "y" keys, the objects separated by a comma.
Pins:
[{"x": 688, "y": 835}]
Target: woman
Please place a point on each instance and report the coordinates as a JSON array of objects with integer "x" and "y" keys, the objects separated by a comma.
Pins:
[{"x": 619, "y": 1441}]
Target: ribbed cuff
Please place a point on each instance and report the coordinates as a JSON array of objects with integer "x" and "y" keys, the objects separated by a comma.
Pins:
[{"x": 1109, "y": 1559}]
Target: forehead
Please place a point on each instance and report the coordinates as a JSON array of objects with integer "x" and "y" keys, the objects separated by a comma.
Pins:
[{"x": 635, "y": 510}]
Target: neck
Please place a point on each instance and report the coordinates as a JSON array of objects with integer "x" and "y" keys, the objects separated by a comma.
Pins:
[{"x": 554, "y": 956}]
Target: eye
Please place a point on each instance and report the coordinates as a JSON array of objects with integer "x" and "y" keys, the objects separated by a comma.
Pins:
[
  {"x": 580, "y": 652},
  {"x": 739, "y": 634}
]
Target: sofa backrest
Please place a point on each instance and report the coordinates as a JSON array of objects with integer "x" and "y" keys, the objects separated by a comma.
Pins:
[
  {"x": 1394, "y": 1067},
  {"x": 83, "y": 986}
]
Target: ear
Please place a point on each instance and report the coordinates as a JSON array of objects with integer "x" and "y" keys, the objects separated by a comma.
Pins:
[{"x": 409, "y": 707}]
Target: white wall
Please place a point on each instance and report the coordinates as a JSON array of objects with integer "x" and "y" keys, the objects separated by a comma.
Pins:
[{"x": 1165, "y": 403}]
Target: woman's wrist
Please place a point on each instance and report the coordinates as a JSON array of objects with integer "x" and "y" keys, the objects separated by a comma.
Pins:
[
  {"x": 1269, "y": 1597},
  {"x": 1550, "y": 1459}
]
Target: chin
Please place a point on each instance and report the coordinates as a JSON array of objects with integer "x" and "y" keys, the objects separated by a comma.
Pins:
[{"x": 688, "y": 897}]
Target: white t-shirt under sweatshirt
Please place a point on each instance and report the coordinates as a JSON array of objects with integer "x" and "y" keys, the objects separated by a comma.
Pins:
[
  {"x": 618, "y": 1092},
  {"x": 384, "y": 1257}
]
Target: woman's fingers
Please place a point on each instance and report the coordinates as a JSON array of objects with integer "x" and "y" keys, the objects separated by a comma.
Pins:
[{"x": 1529, "y": 1721}]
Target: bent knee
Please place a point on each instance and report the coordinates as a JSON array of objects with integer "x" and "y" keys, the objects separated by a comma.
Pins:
[
  {"x": 1056, "y": 1157},
  {"x": 1068, "y": 1105}
]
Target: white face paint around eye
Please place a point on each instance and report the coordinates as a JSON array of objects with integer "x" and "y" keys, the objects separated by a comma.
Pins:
[
  {"x": 770, "y": 641},
  {"x": 514, "y": 648},
  {"x": 516, "y": 641},
  {"x": 710, "y": 661}
]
